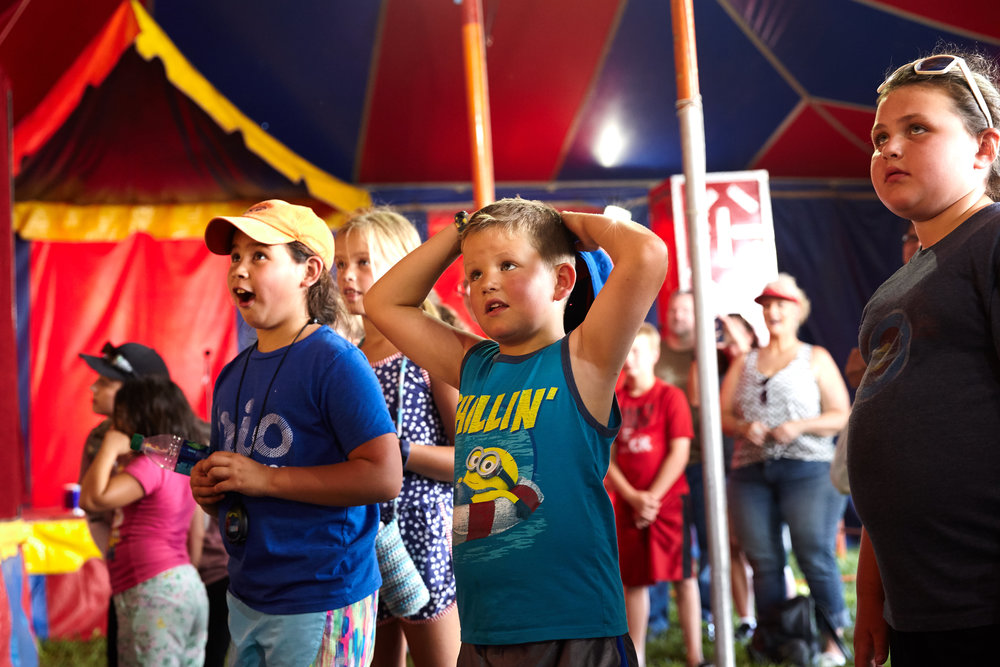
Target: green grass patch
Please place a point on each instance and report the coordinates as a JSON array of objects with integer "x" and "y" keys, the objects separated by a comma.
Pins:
[
  {"x": 65, "y": 653},
  {"x": 664, "y": 650},
  {"x": 667, "y": 649}
]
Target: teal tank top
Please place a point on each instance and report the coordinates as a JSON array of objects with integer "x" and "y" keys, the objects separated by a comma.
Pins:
[{"x": 535, "y": 552}]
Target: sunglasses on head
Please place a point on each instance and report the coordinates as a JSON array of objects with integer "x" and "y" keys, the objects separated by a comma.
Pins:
[
  {"x": 942, "y": 64},
  {"x": 116, "y": 359}
]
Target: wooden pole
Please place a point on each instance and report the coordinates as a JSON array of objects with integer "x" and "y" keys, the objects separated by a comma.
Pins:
[
  {"x": 477, "y": 102},
  {"x": 12, "y": 453}
]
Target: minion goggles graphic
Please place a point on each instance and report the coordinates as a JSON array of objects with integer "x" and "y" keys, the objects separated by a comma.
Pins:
[
  {"x": 487, "y": 464},
  {"x": 491, "y": 497}
]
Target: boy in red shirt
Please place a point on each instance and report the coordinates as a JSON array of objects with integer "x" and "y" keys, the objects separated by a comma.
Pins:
[{"x": 652, "y": 505}]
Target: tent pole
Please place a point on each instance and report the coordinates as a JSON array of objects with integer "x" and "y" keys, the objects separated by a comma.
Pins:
[
  {"x": 692, "y": 131},
  {"x": 477, "y": 102},
  {"x": 14, "y": 456}
]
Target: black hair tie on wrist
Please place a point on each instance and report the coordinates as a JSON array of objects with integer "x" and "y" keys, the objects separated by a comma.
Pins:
[{"x": 404, "y": 450}]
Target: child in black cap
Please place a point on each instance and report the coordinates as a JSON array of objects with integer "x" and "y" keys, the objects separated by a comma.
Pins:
[{"x": 113, "y": 367}]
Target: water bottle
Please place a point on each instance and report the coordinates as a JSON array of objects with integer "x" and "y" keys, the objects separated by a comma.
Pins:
[{"x": 171, "y": 452}]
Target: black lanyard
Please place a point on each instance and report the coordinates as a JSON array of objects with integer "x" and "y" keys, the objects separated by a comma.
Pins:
[
  {"x": 237, "y": 522},
  {"x": 263, "y": 406}
]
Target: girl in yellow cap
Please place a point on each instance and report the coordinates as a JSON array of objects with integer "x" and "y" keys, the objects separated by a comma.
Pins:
[{"x": 303, "y": 451}]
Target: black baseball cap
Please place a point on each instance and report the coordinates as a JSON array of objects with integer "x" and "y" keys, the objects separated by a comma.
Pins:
[{"x": 128, "y": 360}]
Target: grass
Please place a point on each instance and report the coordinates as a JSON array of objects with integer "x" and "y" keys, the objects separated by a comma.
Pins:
[
  {"x": 68, "y": 653},
  {"x": 665, "y": 650}
]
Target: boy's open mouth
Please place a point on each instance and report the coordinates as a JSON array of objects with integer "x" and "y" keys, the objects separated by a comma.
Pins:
[
  {"x": 243, "y": 296},
  {"x": 493, "y": 306}
]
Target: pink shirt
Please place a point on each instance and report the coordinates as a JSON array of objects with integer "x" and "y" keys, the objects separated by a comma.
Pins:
[{"x": 151, "y": 535}]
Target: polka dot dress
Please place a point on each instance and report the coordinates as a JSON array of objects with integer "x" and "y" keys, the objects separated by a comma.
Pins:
[{"x": 424, "y": 505}]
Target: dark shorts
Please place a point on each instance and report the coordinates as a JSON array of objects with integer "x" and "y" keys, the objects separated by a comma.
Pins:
[
  {"x": 597, "y": 652},
  {"x": 966, "y": 646}
]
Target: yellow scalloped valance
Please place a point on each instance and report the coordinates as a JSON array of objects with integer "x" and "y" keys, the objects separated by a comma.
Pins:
[{"x": 48, "y": 221}]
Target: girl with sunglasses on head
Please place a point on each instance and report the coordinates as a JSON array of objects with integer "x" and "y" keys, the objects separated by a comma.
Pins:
[
  {"x": 923, "y": 458},
  {"x": 782, "y": 403}
]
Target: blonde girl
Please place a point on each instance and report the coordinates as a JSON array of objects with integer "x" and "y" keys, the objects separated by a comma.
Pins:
[{"x": 367, "y": 246}]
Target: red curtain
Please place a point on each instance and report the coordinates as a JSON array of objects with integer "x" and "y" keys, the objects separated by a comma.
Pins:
[{"x": 169, "y": 295}]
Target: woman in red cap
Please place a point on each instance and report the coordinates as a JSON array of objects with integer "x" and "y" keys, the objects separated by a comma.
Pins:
[{"x": 783, "y": 403}]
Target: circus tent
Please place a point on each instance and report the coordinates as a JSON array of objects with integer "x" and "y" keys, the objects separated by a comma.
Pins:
[{"x": 133, "y": 123}]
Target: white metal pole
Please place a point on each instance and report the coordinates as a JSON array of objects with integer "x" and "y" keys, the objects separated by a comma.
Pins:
[{"x": 692, "y": 132}]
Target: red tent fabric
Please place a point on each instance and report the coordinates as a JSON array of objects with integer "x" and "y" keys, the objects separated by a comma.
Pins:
[
  {"x": 167, "y": 150},
  {"x": 92, "y": 65},
  {"x": 170, "y": 295},
  {"x": 372, "y": 93}
]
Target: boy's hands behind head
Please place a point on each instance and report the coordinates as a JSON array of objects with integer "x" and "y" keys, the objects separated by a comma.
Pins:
[
  {"x": 598, "y": 351},
  {"x": 577, "y": 223}
]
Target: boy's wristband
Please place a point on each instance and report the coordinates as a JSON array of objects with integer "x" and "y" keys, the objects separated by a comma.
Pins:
[{"x": 404, "y": 449}]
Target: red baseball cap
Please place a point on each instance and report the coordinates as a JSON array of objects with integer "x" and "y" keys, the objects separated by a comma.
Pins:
[{"x": 772, "y": 292}]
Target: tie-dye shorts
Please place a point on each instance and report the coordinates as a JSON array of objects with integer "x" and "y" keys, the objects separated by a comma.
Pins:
[{"x": 338, "y": 638}]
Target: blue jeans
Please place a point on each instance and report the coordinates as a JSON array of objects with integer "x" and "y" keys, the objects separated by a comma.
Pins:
[
  {"x": 659, "y": 608},
  {"x": 696, "y": 482},
  {"x": 762, "y": 497}
]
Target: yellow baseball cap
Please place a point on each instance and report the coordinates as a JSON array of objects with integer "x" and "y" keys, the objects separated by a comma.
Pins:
[{"x": 272, "y": 222}]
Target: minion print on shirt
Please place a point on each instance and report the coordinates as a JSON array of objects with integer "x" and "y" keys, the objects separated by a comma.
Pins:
[
  {"x": 494, "y": 494},
  {"x": 532, "y": 517},
  {"x": 491, "y": 496}
]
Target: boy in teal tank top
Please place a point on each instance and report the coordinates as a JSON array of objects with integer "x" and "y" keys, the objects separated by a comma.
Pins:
[{"x": 536, "y": 559}]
